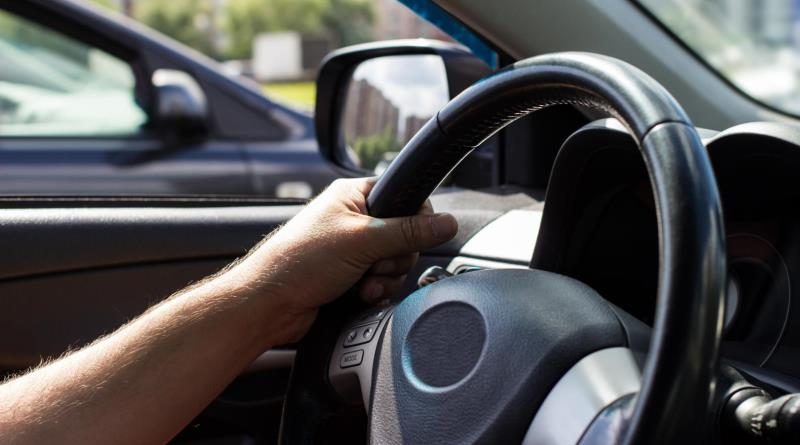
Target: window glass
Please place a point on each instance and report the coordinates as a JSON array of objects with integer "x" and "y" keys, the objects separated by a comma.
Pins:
[
  {"x": 51, "y": 85},
  {"x": 753, "y": 44}
]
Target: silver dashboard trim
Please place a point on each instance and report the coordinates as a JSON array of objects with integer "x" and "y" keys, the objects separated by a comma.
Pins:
[
  {"x": 460, "y": 262},
  {"x": 590, "y": 385},
  {"x": 509, "y": 238}
]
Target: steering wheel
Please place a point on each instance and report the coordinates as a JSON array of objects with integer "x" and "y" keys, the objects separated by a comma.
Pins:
[{"x": 510, "y": 356}]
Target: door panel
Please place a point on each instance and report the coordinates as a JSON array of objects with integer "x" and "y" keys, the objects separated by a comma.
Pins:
[
  {"x": 42, "y": 241},
  {"x": 69, "y": 275},
  {"x": 45, "y": 315}
]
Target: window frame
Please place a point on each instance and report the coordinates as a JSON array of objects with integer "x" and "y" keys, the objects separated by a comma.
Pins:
[{"x": 459, "y": 31}]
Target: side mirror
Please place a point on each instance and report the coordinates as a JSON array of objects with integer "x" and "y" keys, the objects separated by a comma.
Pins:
[
  {"x": 372, "y": 98},
  {"x": 181, "y": 109}
]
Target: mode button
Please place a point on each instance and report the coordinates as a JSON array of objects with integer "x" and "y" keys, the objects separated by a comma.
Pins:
[{"x": 352, "y": 358}]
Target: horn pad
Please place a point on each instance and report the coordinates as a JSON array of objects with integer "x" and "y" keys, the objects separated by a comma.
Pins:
[
  {"x": 465, "y": 359},
  {"x": 442, "y": 357}
]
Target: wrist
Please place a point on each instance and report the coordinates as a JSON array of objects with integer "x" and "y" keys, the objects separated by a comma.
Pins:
[{"x": 264, "y": 301}]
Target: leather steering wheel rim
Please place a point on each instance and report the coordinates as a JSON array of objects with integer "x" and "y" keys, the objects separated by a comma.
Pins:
[{"x": 682, "y": 360}]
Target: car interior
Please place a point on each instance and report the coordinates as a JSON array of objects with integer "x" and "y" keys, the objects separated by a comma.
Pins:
[{"x": 622, "y": 273}]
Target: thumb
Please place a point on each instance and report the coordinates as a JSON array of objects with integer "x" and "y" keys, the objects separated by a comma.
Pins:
[{"x": 399, "y": 236}]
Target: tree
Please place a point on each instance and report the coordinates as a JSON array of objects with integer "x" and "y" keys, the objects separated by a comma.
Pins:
[
  {"x": 195, "y": 22},
  {"x": 348, "y": 22},
  {"x": 372, "y": 148},
  {"x": 245, "y": 19},
  {"x": 191, "y": 22},
  {"x": 104, "y": 3},
  {"x": 344, "y": 22}
]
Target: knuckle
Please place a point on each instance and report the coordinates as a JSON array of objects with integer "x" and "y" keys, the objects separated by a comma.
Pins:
[
  {"x": 411, "y": 230},
  {"x": 338, "y": 184}
]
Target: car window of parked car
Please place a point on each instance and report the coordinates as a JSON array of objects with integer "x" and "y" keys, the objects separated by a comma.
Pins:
[
  {"x": 753, "y": 45},
  {"x": 52, "y": 85}
]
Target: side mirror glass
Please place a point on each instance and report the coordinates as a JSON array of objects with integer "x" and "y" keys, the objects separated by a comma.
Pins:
[
  {"x": 388, "y": 100},
  {"x": 181, "y": 106},
  {"x": 373, "y": 97}
]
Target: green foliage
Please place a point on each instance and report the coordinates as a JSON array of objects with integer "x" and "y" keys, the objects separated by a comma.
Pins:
[
  {"x": 299, "y": 94},
  {"x": 370, "y": 149},
  {"x": 345, "y": 22},
  {"x": 245, "y": 19},
  {"x": 349, "y": 21},
  {"x": 105, "y": 3},
  {"x": 187, "y": 21},
  {"x": 194, "y": 22}
]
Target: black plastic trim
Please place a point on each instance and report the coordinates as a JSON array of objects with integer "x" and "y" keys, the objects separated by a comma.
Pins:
[{"x": 39, "y": 241}]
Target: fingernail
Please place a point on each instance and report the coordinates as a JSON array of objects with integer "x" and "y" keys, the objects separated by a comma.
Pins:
[{"x": 443, "y": 225}]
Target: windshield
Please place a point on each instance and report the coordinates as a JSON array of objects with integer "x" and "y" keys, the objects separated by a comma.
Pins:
[{"x": 754, "y": 45}]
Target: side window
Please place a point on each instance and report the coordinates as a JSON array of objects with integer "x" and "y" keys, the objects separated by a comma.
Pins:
[{"x": 52, "y": 85}]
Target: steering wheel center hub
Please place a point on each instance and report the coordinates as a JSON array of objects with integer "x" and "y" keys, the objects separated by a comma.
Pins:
[
  {"x": 445, "y": 344},
  {"x": 492, "y": 341}
]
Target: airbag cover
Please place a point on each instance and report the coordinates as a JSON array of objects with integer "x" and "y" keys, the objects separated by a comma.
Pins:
[{"x": 470, "y": 358}]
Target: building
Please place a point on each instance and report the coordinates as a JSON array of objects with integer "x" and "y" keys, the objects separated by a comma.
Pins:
[
  {"x": 369, "y": 112},
  {"x": 412, "y": 125}
]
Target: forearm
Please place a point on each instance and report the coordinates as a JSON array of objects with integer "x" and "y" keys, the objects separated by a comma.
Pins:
[{"x": 143, "y": 383}]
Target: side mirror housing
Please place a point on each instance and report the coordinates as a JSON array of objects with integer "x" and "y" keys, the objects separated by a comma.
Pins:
[
  {"x": 181, "y": 109},
  {"x": 372, "y": 98}
]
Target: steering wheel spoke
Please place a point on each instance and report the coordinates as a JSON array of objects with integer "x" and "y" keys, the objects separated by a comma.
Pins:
[{"x": 353, "y": 359}]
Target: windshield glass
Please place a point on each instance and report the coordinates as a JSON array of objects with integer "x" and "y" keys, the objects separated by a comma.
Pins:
[{"x": 752, "y": 44}]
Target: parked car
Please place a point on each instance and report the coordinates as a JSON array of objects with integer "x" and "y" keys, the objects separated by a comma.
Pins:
[{"x": 93, "y": 103}]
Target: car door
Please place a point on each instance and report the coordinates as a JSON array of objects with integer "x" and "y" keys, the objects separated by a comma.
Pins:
[
  {"x": 77, "y": 117},
  {"x": 73, "y": 270}
]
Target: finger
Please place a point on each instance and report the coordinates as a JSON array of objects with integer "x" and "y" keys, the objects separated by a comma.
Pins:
[
  {"x": 365, "y": 185},
  {"x": 351, "y": 191},
  {"x": 377, "y": 288},
  {"x": 393, "y": 237},
  {"x": 427, "y": 208},
  {"x": 399, "y": 265}
]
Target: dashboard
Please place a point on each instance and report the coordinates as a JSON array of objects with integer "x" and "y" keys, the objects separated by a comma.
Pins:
[{"x": 605, "y": 235}]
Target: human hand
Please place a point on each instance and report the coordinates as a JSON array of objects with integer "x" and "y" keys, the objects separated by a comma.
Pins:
[{"x": 327, "y": 247}]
